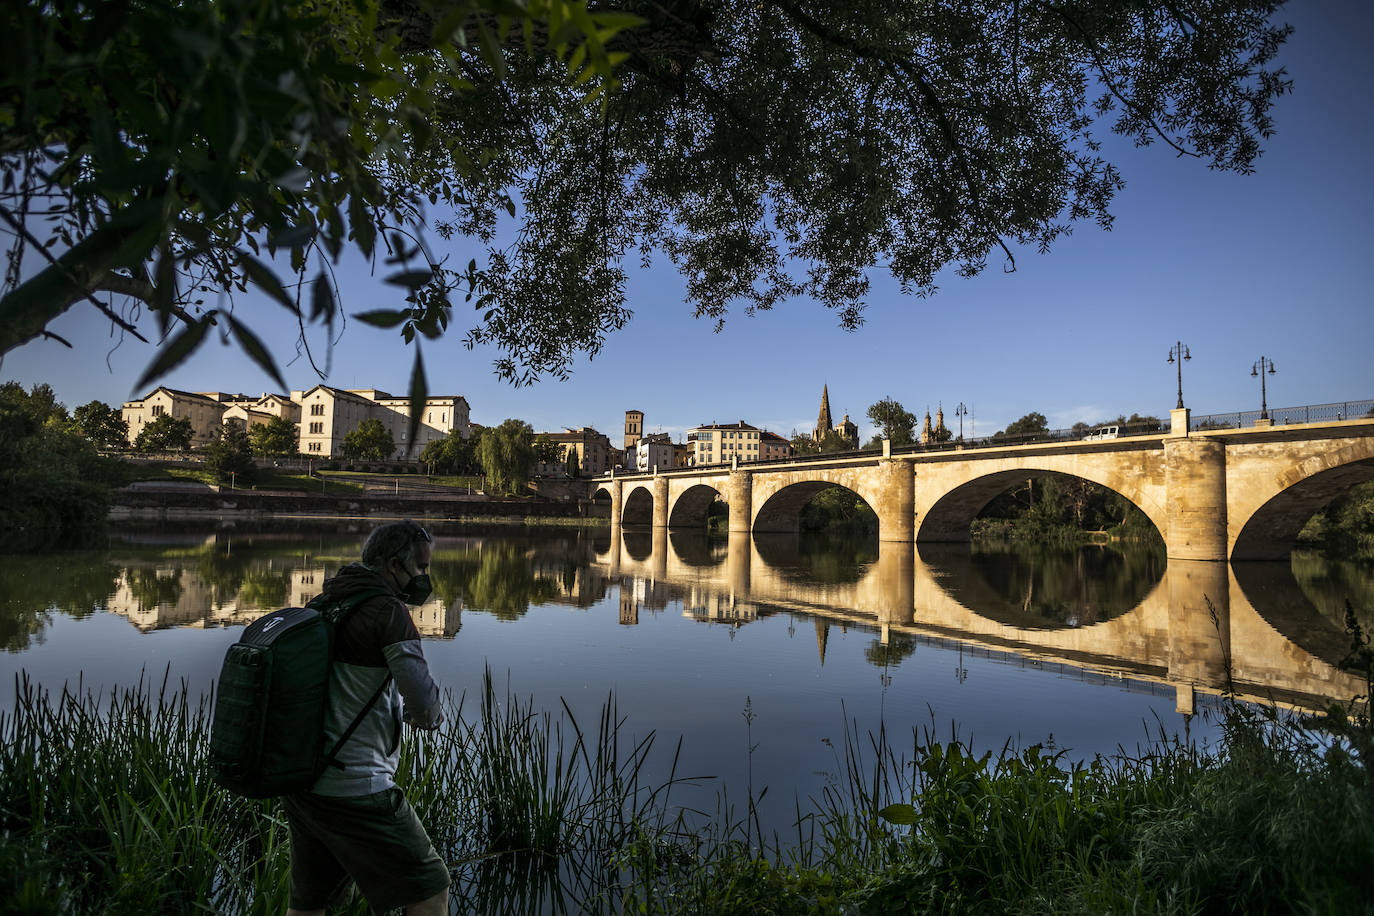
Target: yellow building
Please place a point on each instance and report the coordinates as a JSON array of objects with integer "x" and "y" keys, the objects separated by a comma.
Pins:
[{"x": 722, "y": 443}]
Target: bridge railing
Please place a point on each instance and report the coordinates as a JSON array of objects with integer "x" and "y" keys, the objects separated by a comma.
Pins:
[
  {"x": 1282, "y": 416},
  {"x": 1313, "y": 413}
]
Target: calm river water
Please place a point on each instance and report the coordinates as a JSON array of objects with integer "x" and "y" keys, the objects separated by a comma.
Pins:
[{"x": 775, "y": 644}]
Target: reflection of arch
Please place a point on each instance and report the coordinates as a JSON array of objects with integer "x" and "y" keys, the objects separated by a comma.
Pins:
[
  {"x": 1272, "y": 530},
  {"x": 690, "y": 508},
  {"x": 639, "y": 507},
  {"x": 1275, "y": 594},
  {"x": 950, "y": 519},
  {"x": 693, "y": 548},
  {"x": 817, "y": 558},
  {"x": 1025, "y": 592},
  {"x": 639, "y": 544},
  {"x": 781, "y": 512}
]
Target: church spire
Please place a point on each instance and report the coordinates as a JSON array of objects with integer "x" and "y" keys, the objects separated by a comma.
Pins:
[{"x": 823, "y": 421}]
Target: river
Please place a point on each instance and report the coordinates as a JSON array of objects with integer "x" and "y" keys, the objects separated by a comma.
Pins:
[{"x": 758, "y": 653}]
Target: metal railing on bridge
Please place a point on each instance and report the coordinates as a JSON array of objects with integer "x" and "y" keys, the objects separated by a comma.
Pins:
[
  {"x": 1284, "y": 416},
  {"x": 1080, "y": 432}
]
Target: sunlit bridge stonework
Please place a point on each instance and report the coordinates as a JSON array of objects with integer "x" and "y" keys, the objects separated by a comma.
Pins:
[{"x": 1214, "y": 495}]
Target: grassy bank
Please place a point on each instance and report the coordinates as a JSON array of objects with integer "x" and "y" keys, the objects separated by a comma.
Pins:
[{"x": 107, "y": 807}]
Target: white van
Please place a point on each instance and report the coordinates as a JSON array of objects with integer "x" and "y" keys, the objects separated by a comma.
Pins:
[{"x": 1103, "y": 432}]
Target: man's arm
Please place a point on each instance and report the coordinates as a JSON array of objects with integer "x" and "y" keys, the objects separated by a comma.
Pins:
[{"x": 406, "y": 660}]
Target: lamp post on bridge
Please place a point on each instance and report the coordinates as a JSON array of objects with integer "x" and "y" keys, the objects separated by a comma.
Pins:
[
  {"x": 1180, "y": 351},
  {"x": 1259, "y": 368},
  {"x": 961, "y": 411}
]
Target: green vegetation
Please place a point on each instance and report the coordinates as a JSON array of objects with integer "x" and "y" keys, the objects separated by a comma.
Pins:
[
  {"x": 102, "y": 424},
  {"x": 1063, "y": 509},
  {"x": 54, "y": 488},
  {"x": 506, "y": 455},
  {"x": 839, "y": 511},
  {"x": 165, "y": 433},
  {"x": 229, "y": 457},
  {"x": 453, "y": 454},
  {"x": 276, "y": 438},
  {"x": 369, "y": 441},
  {"x": 1345, "y": 527},
  {"x": 534, "y": 813},
  {"x": 896, "y": 423}
]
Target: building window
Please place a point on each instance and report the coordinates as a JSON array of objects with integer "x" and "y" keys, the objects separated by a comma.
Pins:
[
  {"x": 316, "y": 429},
  {"x": 158, "y": 410},
  {"x": 316, "y": 410}
]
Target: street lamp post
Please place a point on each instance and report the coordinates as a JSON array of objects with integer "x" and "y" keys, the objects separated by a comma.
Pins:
[
  {"x": 1262, "y": 366},
  {"x": 961, "y": 411},
  {"x": 1181, "y": 352}
]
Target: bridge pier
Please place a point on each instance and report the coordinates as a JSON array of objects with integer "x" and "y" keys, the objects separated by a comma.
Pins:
[
  {"x": 660, "y": 504},
  {"x": 896, "y": 501},
  {"x": 617, "y": 506},
  {"x": 739, "y": 493},
  {"x": 897, "y": 585},
  {"x": 1195, "y": 494},
  {"x": 1199, "y": 627}
]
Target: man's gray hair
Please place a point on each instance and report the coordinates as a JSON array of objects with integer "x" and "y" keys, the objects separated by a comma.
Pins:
[{"x": 394, "y": 539}]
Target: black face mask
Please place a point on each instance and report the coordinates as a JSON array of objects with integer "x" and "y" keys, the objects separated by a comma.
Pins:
[{"x": 417, "y": 590}]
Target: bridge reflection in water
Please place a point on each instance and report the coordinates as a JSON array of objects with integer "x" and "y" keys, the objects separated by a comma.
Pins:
[{"x": 1197, "y": 624}]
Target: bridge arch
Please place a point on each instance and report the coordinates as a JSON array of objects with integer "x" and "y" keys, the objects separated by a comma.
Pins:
[
  {"x": 950, "y": 518},
  {"x": 691, "y": 506},
  {"x": 781, "y": 512},
  {"x": 639, "y": 506},
  {"x": 779, "y": 498},
  {"x": 1269, "y": 510}
]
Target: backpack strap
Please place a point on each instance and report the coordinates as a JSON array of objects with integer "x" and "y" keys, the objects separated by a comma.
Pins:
[{"x": 335, "y": 614}]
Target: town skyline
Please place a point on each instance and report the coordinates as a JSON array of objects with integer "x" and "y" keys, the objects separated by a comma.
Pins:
[{"x": 1236, "y": 267}]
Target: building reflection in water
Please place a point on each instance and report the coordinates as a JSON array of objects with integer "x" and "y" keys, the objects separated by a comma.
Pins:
[{"x": 1180, "y": 626}]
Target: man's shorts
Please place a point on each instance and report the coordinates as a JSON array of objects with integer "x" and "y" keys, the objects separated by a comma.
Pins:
[{"x": 375, "y": 840}]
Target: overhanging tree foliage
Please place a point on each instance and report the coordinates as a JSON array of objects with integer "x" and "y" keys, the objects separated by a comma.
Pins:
[{"x": 767, "y": 149}]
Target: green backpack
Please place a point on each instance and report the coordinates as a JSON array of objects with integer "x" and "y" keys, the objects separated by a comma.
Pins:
[{"x": 267, "y": 732}]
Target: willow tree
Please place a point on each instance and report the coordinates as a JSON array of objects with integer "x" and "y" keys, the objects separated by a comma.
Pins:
[{"x": 768, "y": 150}]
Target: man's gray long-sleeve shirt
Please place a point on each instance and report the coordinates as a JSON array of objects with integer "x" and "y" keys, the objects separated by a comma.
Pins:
[{"x": 378, "y": 637}]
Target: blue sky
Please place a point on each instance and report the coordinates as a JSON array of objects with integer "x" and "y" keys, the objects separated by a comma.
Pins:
[{"x": 1274, "y": 264}]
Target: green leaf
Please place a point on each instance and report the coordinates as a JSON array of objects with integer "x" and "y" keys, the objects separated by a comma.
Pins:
[
  {"x": 411, "y": 279},
  {"x": 321, "y": 299},
  {"x": 898, "y": 814},
  {"x": 176, "y": 350},
  {"x": 383, "y": 318},
  {"x": 254, "y": 348},
  {"x": 263, "y": 277},
  {"x": 419, "y": 394}
]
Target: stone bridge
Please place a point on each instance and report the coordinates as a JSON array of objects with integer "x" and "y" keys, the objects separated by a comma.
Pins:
[{"x": 1215, "y": 495}]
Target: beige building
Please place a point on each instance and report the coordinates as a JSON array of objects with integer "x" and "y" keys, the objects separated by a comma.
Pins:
[
  {"x": 328, "y": 414},
  {"x": 205, "y": 411},
  {"x": 723, "y": 443},
  {"x": 323, "y": 415},
  {"x": 594, "y": 453}
]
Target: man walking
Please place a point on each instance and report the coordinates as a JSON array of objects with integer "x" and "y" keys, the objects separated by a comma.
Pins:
[{"x": 355, "y": 824}]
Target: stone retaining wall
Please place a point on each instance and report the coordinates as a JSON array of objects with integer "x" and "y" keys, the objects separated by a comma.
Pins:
[{"x": 143, "y": 504}]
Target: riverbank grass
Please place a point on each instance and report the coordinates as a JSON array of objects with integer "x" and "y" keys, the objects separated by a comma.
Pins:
[{"x": 107, "y": 806}]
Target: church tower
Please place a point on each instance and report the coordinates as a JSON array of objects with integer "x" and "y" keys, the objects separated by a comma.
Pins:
[
  {"x": 823, "y": 419},
  {"x": 926, "y": 433},
  {"x": 634, "y": 428}
]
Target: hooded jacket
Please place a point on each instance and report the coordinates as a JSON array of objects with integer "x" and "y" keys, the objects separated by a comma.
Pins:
[{"x": 377, "y": 637}]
